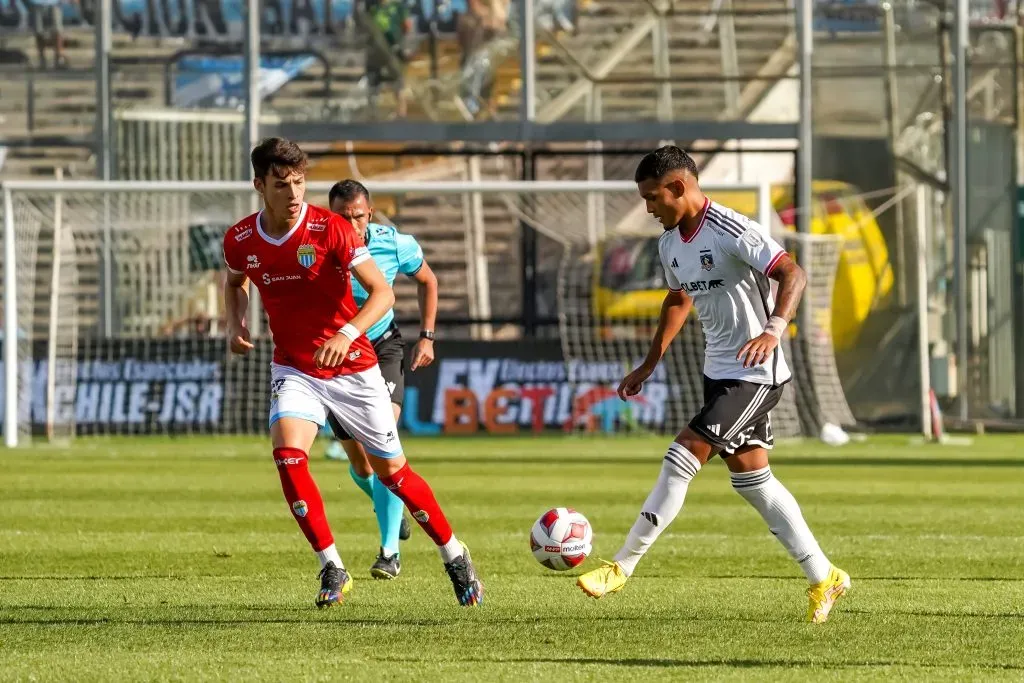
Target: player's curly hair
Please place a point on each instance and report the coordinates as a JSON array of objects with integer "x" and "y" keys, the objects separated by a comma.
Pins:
[
  {"x": 664, "y": 160},
  {"x": 347, "y": 190},
  {"x": 279, "y": 156}
]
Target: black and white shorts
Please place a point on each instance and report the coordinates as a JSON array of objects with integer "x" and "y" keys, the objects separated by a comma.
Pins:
[
  {"x": 736, "y": 414},
  {"x": 390, "y": 350}
]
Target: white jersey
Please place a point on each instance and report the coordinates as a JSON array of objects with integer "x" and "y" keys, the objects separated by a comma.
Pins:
[{"x": 724, "y": 268}]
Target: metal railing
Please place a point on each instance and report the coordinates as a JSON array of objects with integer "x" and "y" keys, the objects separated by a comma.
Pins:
[{"x": 654, "y": 26}]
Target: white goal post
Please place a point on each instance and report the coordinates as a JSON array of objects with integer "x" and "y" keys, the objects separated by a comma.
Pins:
[{"x": 86, "y": 261}]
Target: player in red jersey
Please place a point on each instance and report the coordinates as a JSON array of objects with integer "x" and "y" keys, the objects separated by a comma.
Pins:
[{"x": 301, "y": 258}]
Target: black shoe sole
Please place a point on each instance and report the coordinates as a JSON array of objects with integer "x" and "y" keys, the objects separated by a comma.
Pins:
[{"x": 382, "y": 575}]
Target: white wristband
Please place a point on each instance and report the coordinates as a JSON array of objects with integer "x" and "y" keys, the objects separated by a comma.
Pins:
[
  {"x": 350, "y": 331},
  {"x": 776, "y": 326}
]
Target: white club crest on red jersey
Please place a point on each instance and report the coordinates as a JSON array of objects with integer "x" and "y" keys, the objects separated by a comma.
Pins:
[{"x": 306, "y": 254}]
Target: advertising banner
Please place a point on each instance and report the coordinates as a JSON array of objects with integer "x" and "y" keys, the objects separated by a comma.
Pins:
[
  {"x": 170, "y": 386},
  {"x": 847, "y": 16},
  {"x": 210, "y": 82},
  {"x": 522, "y": 386},
  {"x": 222, "y": 19},
  {"x": 129, "y": 387}
]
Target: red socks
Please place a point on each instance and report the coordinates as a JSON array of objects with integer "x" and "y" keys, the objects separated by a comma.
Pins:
[
  {"x": 303, "y": 496},
  {"x": 307, "y": 506},
  {"x": 418, "y": 497}
]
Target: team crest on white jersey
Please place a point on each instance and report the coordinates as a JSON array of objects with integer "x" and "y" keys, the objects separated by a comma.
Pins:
[
  {"x": 306, "y": 254},
  {"x": 707, "y": 261}
]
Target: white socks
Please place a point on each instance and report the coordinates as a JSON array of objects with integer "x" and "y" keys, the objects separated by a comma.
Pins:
[
  {"x": 780, "y": 510},
  {"x": 329, "y": 554},
  {"x": 451, "y": 550},
  {"x": 661, "y": 507}
]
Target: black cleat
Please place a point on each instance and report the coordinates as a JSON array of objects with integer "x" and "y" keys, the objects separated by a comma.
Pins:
[
  {"x": 334, "y": 583},
  {"x": 469, "y": 590},
  {"x": 404, "y": 531},
  {"x": 386, "y": 568}
]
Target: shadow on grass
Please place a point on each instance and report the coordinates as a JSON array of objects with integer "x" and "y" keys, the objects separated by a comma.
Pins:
[
  {"x": 857, "y": 578},
  {"x": 310, "y": 616},
  {"x": 809, "y": 460},
  {"x": 727, "y": 663},
  {"x": 115, "y": 577},
  {"x": 541, "y": 577},
  {"x": 937, "y": 613},
  {"x": 793, "y": 578}
]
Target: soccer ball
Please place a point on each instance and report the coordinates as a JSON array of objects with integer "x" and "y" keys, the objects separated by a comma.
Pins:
[{"x": 561, "y": 539}]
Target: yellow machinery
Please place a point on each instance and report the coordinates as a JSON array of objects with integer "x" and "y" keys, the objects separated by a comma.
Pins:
[{"x": 628, "y": 284}]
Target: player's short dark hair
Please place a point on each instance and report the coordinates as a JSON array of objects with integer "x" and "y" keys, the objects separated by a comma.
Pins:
[
  {"x": 347, "y": 190},
  {"x": 279, "y": 156},
  {"x": 664, "y": 160}
]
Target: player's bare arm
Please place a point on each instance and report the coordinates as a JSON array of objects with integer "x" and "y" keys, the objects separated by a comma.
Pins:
[
  {"x": 426, "y": 293},
  {"x": 236, "y": 303},
  {"x": 381, "y": 299},
  {"x": 674, "y": 311},
  {"x": 792, "y": 280}
]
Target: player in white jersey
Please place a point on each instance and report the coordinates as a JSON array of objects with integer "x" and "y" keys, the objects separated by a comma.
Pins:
[{"x": 719, "y": 262}]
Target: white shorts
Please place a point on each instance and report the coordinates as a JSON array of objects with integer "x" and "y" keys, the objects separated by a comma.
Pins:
[{"x": 359, "y": 401}]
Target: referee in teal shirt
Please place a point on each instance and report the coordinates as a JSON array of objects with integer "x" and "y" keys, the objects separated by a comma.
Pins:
[{"x": 394, "y": 253}]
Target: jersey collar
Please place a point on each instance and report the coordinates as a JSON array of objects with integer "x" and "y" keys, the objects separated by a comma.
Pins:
[
  {"x": 703, "y": 217},
  {"x": 368, "y": 233},
  {"x": 278, "y": 241}
]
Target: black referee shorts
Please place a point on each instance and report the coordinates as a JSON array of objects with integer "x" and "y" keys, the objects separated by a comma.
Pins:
[
  {"x": 390, "y": 350},
  {"x": 736, "y": 414}
]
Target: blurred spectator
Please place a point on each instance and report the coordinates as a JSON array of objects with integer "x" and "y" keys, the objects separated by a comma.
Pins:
[
  {"x": 386, "y": 56},
  {"x": 555, "y": 15},
  {"x": 484, "y": 21},
  {"x": 197, "y": 325},
  {"x": 47, "y": 18}
]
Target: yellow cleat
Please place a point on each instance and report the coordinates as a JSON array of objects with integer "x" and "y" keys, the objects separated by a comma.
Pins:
[
  {"x": 608, "y": 578},
  {"x": 823, "y": 596}
]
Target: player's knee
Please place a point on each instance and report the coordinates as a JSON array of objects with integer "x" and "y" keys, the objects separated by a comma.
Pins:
[
  {"x": 680, "y": 463},
  {"x": 286, "y": 458},
  {"x": 357, "y": 457},
  {"x": 695, "y": 445},
  {"x": 386, "y": 467},
  {"x": 747, "y": 458}
]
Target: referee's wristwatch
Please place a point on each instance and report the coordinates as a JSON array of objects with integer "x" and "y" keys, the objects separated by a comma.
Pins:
[{"x": 427, "y": 334}]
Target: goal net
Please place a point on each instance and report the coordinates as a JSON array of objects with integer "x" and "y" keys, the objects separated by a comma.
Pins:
[
  {"x": 609, "y": 301},
  {"x": 118, "y": 320}
]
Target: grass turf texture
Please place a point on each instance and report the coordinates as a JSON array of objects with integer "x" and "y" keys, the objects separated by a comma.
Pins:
[{"x": 178, "y": 559}]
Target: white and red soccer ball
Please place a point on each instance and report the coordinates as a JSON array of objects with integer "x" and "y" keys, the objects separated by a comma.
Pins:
[{"x": 561, "y": 539}]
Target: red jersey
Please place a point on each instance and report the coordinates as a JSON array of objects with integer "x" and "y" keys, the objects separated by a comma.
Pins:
[{"x": 303, "y": 280}]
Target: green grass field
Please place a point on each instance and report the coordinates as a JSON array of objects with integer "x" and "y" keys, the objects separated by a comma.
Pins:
[{"x": 136, "y": 559}]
